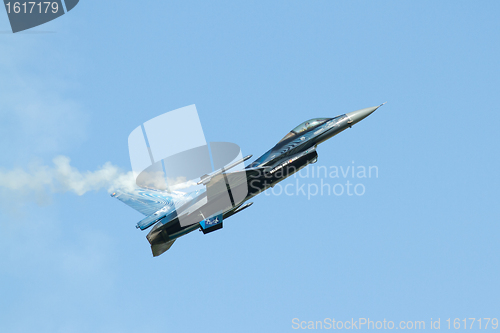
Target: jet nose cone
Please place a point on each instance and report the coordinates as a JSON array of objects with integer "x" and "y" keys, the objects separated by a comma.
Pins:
[{"x": 357, "y": 116}]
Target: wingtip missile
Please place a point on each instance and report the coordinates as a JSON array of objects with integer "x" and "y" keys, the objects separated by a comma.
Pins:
[{"x": 206, "y": 178}]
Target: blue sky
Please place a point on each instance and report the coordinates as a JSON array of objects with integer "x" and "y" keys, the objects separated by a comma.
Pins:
[{"x": 421, "y": 243}]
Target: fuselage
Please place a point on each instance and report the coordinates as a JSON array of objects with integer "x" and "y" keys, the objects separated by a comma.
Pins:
[{"x": 292, "y": 153}]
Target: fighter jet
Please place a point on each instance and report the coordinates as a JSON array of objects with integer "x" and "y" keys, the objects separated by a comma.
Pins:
[{"x": 226, "y": 193}]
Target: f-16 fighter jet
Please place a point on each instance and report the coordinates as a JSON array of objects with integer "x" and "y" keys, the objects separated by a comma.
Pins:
[{"x": 224, "y": 193}]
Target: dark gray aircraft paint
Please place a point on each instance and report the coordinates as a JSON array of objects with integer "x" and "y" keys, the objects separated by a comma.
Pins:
[{"x": 206, "y": 209}]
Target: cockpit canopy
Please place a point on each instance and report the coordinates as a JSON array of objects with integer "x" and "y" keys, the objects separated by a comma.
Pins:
[{"x": 305, "y": 126}]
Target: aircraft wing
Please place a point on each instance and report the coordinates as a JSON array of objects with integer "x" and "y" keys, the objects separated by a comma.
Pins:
[
  {"x": 145, "y": 201},
  {"x": 236, "y": 179}
]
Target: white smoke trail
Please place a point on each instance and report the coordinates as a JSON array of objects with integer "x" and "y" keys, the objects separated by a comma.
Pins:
[{"x": 62, "y": 177}]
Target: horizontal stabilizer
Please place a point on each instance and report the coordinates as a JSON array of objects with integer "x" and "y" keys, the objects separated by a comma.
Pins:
[
  {"x": 161, "y": 248},
  {"x": 157, "y": 216}
]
